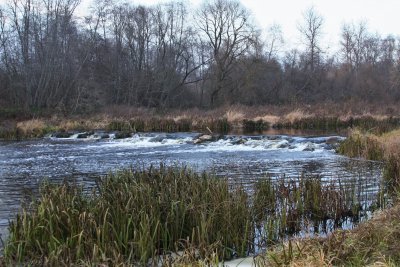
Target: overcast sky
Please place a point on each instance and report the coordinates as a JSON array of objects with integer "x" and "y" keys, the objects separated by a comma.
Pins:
[{"x": 383, "y": 16}]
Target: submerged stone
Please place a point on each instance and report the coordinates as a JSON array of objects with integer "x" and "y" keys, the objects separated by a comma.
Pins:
[
  {"x": 85, "y": 135},
  {"x": 122, "y": 135},
  {"x": 238, "y": 141},
  {"x": 158, "y": 139},
  {"x": 62, "y": 135},
  {"x": 283, "y": 145},
  {"x": 102, "y": 135},
  {"x": 332, "y": 140},
  {"x": 309, "y": 147}
]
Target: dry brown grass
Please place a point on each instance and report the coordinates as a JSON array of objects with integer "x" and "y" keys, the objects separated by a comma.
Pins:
[
  {"x": 377, "y": 117},
  {"x": 271, "y": 119},
  {"x": 180, "y": 118},
  {"x": 31, "y": 127},
  {"x": 391, "y": 142},
  {"x": 295, "y": 253},
  {"x": 83, "y": 124},
  {"x": 373, "y": 243},
  {"x": 296, "y": 115},
  {"x": 234, "y": 116},
  {"x": 274, "y": 116}
]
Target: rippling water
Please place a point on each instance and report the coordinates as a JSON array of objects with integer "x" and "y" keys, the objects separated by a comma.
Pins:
[{"x": 241, "y": 158}]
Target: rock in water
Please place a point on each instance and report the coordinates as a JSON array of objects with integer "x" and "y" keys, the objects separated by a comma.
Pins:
[
  {"x": 332, "y": 140},
  {"x": 238, "y": 141},
  {"x": 62, "y": 135},
  {"x": 158, "y": 139},
  {"x": 84, "y": 135},
  {"x": 196, "y": 141},
  {"x": 102, "y": 135},
  {"x": 283, "y": 145},
  {"x": 206, "y": 138},
  {"x": 309, "y": 147},
  {"x": 122, "y": 135}
]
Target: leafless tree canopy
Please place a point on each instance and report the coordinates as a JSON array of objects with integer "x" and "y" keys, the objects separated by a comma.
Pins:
[
  {"x": 311, "y": 29},
  {"x": 228, "y": 35},
  {"x": 170, "y": 56}
]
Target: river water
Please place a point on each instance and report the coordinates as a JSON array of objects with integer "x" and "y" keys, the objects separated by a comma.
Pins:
[{"x": 241, "y": 158}]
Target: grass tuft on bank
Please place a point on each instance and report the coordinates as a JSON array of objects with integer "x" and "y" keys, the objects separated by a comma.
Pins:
[{"x": 382, "y": 147}]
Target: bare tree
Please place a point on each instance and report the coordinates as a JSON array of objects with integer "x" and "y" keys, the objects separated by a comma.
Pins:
[
  {"x": 175, "y": 53},
  {"x": 46, "y": 34},
  {"x": 388, "y": 49},
  {"x": 22, "y": 14},
  {"x": 228, "y": 32},
  {"x": 3, "y": 58},
  {"x": 3, "y": 38},
  {"x": 2, "y": 28},
  {"x": 347, "y": 44},
  {"x": 138, "y": 35},
  {"x": 119, "y": 20},
  {"x": 311, "y": 29},
  {"x": 274, "y": 41},
  {"x": 353, "y": 43}
]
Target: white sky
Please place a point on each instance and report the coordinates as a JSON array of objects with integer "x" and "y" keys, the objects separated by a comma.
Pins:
[{"x": 382, "y": 16}]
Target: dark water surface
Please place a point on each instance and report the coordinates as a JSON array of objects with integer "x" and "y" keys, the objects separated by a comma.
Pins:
[{"x": 241, "y": 158}]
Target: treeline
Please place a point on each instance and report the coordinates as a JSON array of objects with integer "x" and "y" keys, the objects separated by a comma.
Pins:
[{"x": 170, "y": 55}]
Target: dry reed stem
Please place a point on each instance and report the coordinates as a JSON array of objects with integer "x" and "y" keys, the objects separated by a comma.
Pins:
[
  {"x": 295, "y": 115},
  {"x": 372, "y": 243},
  {"x": 30, "y": 126},
  {"x": 271, "y": 119},
  {"x": 234, "y": 115}
]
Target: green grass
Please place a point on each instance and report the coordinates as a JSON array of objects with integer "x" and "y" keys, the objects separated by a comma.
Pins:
[
  {"x": 133, "y": 218},
  {"x": 383, "y": 147},
  {"x": 362, "y": 145},
  {"x": 141, "y": 217}
]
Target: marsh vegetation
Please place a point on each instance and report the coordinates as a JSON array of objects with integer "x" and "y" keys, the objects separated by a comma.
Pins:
[
  {"x": 372, "y": 243},
  {"x": 161, "y": 214},
  {"x": 234, "y": 119}
]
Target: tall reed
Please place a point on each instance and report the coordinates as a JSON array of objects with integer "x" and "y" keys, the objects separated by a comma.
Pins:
[
  {"x": 132, "y": 217},
  {"x": 143, "y": 217}
]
